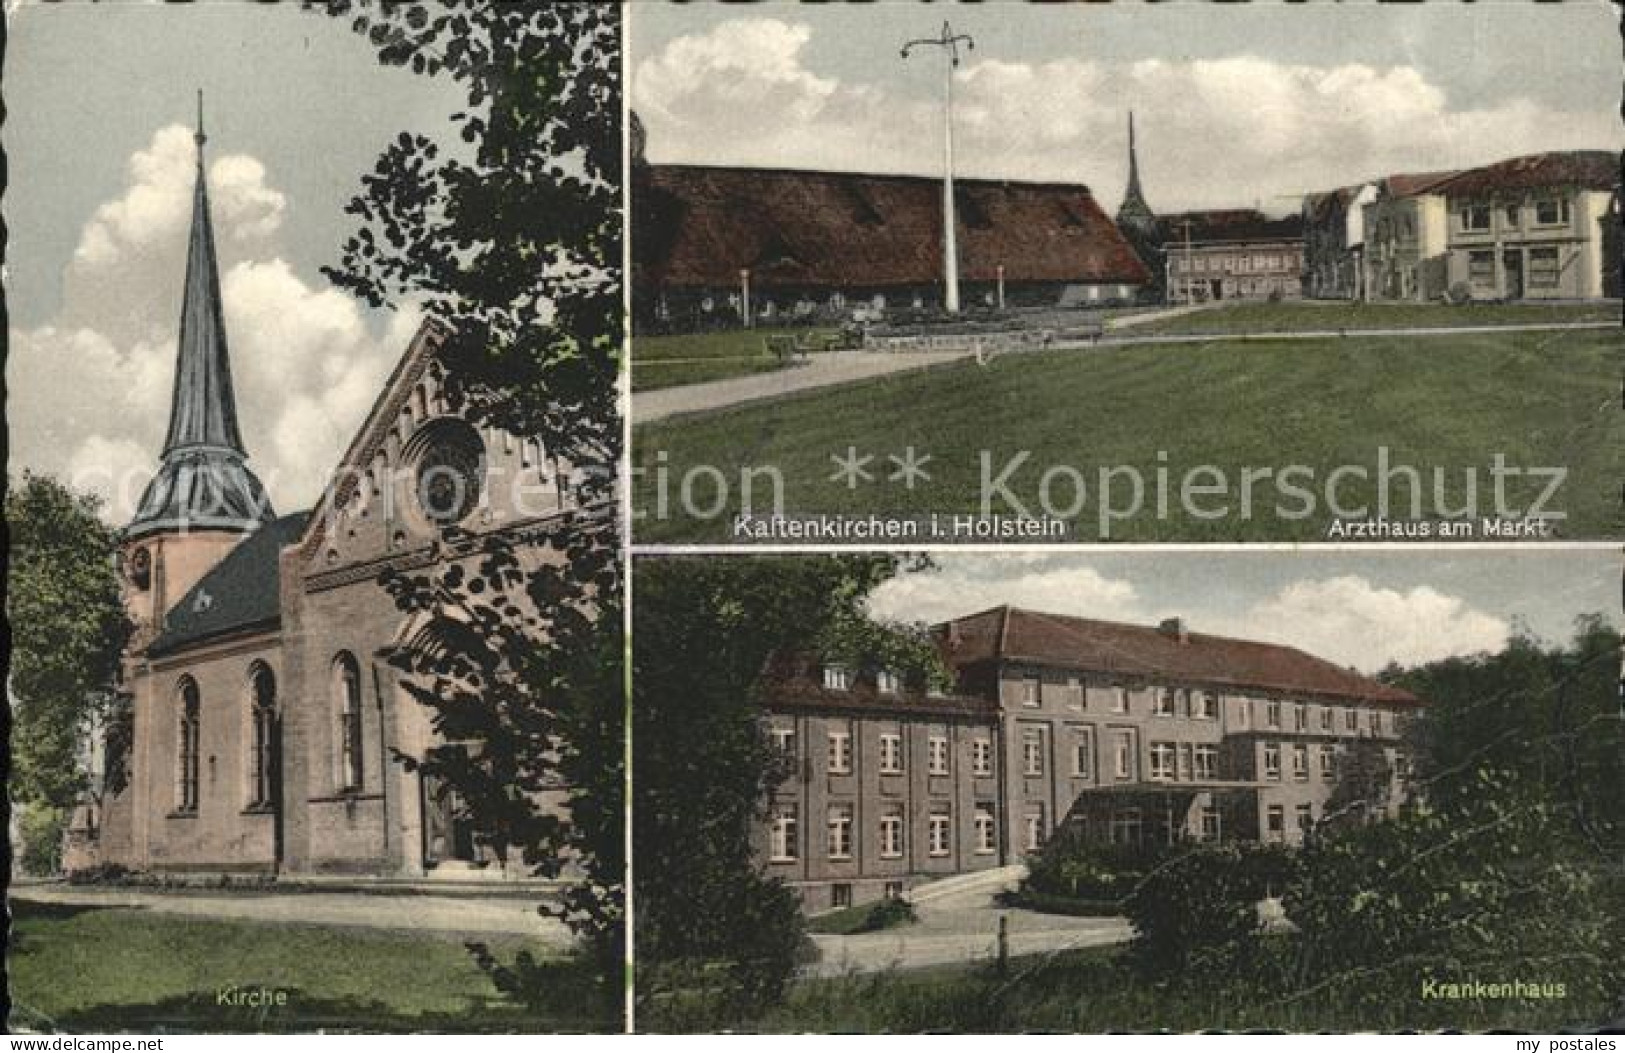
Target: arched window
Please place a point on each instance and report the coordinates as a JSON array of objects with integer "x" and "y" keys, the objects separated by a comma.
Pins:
[
  {"x": 262, "y": 714},
  {"x": 347, "y": 686},
  {"x": 186, "y": 767}
]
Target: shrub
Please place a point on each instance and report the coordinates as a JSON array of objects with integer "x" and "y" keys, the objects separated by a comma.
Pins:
[
  {"x": 42, "y": 830},
  {"x": 865, "y": 917},
  {"x": 1196, "y": 915},
  {"x": 1051, "y": 903},
  {"x": 1071, "y": 866}
]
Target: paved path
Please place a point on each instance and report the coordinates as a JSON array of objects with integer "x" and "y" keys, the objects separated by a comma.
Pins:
[
  {"x": 819, "y": 371},
  {"x": 961, "y": 925},
  {"x": 465, "y": 915},
  {"x": 848, "y": 367}
]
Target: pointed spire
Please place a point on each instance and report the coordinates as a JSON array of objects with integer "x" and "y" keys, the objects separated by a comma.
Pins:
[
  {"x": 203, "y": 411},
  {"x": 1134, "y": 211},
  {"x": 203, "y": 482}
]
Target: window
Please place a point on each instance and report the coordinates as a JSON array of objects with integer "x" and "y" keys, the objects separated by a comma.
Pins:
[
  {"x": 939, "y": 834},
  {"x": 987, "y": 832},
  {"x": 981, "y": 757},
  {"x": 1325, "y": 718},
  {"x": 1328, "y": 762},
  {"x": 1212, "y": 827},
  {"x": 1083, "y": 754},
  {"x": 1205, "y": 706},
  {"x": 893, "y": 889},
  {"x": 262, "y": 759},
  {"x": 1300, "y": 763},
  {"x": 891, "y": 754},
  {"x": 1276, "y": 823},
  {"x": 348, "y": 676},
  {"x": 1306, "y": 818},
  {"x": 891, "y": 834},
  {"x": 937, "y": 755},
  {"x": 1120, "y": 700},
  {"x": 887, "y": 682},
  {"x": 784, "y": 740},
  {"x": 1512, "y": 217},
  {"x": 1272, "y": 714},
  {"x": 1543, "y": 268},
  {"x": 835, "y": 678},
  {"x": 1123, "y": 754},
  {"x": 1185, "y": 761},
  {"x": 1272, "y": 760},
  {"x": 1032, "y": 751},
  {"x": 1126, "y": 826},
  {"x": 186, "y": 767},
  {"x": 1553, "y": 212},
  {"x": 1481, "y": 267},
  {"x": 1162, "y": 703},
  {"x": 840, "y": 751},
  {"x": 1033, "y": 822},
  {"x": 840, "y": 895},
  {"x": 1162, "y": 760},
  {"x": 840, "y": 831},
  {"x": 1300, "y": 716},
  {"x": 783, "y": 846},
  {"x": 1351, "y": 719},
  {"x": 1475, "y": 217},
  {"x": 1029, "y": 691},
  {"x": 1207, "y": 762}
]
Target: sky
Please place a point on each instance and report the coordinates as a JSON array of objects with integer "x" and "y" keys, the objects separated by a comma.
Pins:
[
  {"x": 1359, "y": 609},
  {"x": 1235, "y": 105},
  {"x": 100, "y": 110}
]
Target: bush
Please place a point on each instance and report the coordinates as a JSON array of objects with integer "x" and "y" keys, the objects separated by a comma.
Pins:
[
  {"x": 42, "y": 830},
  {"x": 101, "y": 874},
  {"x": 865, "y": 917},
  {"x": 1073, "y": 867},
  {"x": 1050, "y": 903},
  {"x": 1196, "y": 915}
]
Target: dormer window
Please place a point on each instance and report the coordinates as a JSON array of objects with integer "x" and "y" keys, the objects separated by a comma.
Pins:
[
  {"x": 887, "y": 682},
  {"x": 836, "y": 678}
]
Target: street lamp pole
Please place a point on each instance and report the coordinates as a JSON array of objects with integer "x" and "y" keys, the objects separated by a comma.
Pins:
[{"x": 949, "y": 43}]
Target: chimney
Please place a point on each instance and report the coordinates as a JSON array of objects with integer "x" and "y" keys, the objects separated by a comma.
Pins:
[{"x": 1174, "y": 629}]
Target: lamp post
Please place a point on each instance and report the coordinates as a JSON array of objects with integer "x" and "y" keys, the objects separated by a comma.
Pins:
[{"x": 949, "y": 43}]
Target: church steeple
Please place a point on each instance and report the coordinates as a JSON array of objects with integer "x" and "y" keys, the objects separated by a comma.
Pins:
[
  {"x": 203, "y": 482},
  {"x": 1134, "y": 211}
]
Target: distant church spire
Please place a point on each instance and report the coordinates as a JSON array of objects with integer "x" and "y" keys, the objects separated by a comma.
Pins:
[
  {"x": 203, "y": 482},
  {"x": 1134, "y": 211}
]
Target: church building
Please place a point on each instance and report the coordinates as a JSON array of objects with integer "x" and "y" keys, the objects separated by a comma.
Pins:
[{"x": 267, "y": 731}]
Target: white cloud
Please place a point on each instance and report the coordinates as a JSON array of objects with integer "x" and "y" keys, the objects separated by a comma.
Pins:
[
  {"x": 90, "y": 391},
  {"x": 1019, "y": 581},
  {"x": 1229, "y": 131},
  {"x": 1349, "y": 621}
]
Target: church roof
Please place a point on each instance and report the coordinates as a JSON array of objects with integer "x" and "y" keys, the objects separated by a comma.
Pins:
[
  {"x": 204, "y": 481},
  {"x": 1013, "y": 634},
  {"x": 698, "y": 226},
  {"x": 242, "y": 592},
  {"x": 1135, "y": 210}
]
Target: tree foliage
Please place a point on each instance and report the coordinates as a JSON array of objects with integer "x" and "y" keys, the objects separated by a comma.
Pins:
[
  {"x": 707, "y": 632},
  {"x": 509, "y": 238},
  {"x": 68, "y": 628}
]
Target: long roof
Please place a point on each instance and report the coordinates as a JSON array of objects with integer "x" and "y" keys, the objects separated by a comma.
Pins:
[
  {"x": 1013, "y": 634},
  {"x": 240, "y": 593},
  {"x": 1586, "y": 169},
  {"x": 1230, "y": 225},
  {"x": 699, "y": 226}
]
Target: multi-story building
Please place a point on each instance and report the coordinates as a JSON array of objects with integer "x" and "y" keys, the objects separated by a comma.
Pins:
[
  {"x": 1126, "y": 733},
  {"x": 1539, "y": 227},
  {"x": 1407, "y": 239},
  {"x": 1334, "y": 241},
  {"x": 1233, "y": 254}
]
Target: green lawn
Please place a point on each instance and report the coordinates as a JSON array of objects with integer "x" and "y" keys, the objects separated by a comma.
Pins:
[
  {"x": 90, "y": 969},
  {"x": 667, "y": 361},
  {"x": 1341, "y": 314},
  {"x": 1541, "y": 399},
  {"x": 1091, "y": 991}
]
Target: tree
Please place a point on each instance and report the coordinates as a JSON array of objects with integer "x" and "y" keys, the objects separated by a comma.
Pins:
[
  {"x": 511, "y": 242},
  {"x": 68, "y": 629},
  {"x": 707, "y": 634}
]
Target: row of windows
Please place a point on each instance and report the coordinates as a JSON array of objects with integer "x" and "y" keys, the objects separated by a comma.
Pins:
[
  {"x": 1545, "y": 267},
  {"x": 262, "y": 744},
  {"x": 1548, "y": 212},
  {"x": 784, "y": 838},
  {"x": 1204, "y": 705},
  {"x": 1275, "y": 820},
  {"x": 938, "y": 758},
  {"x": 1227, "y": 263}
]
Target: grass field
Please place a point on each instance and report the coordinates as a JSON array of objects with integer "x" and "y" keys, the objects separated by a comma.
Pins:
[
  {"x": 1443, "y": 405},
  {"x": 115, "y": 969},
  {"x": 1091, "y": 991},
  {"x": 1299, "y": 315},
  {"x": 667, "y": 361}
]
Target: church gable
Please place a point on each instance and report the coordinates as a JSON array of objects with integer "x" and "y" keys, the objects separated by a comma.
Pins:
[{"x": 418, "y": 467}]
